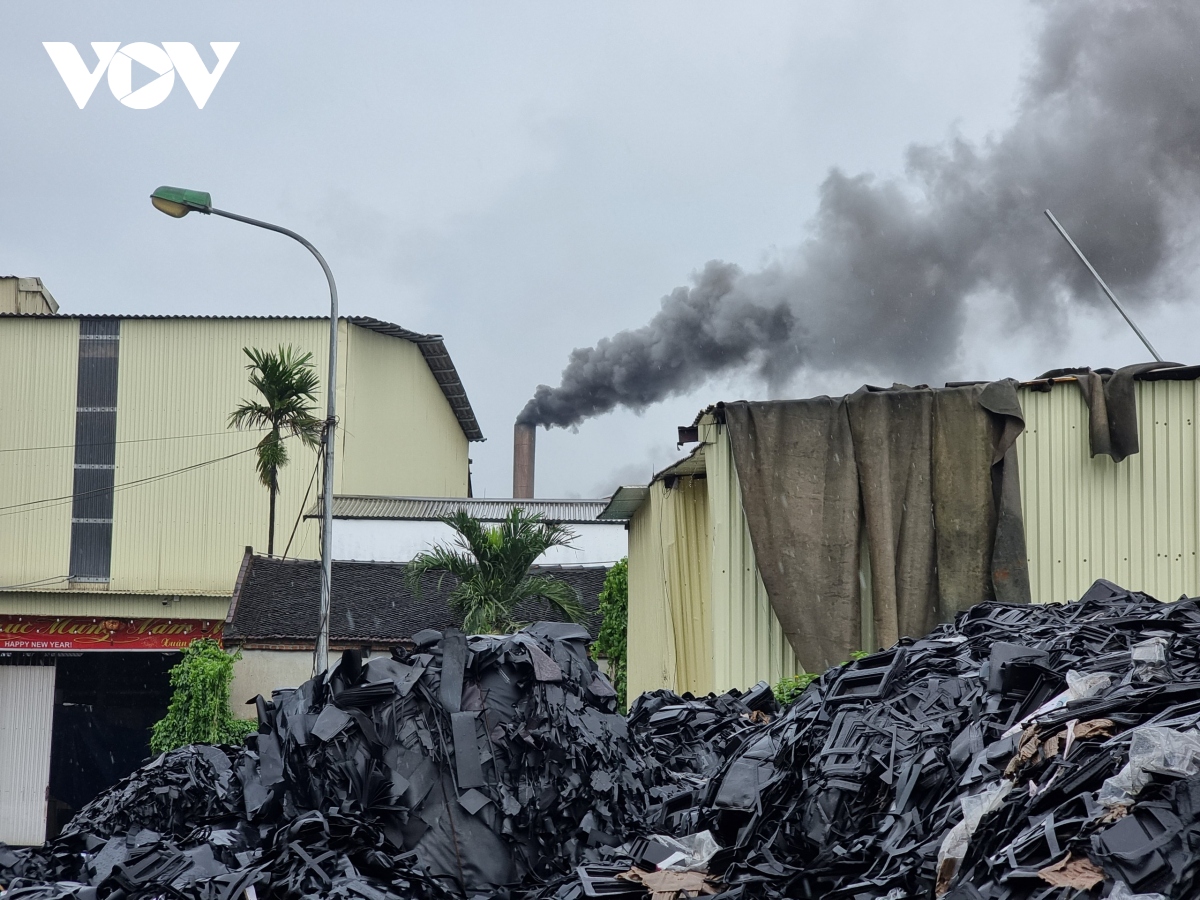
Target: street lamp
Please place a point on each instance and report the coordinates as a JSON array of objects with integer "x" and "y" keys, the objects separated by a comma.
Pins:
[{"x": 177, "y": 203}]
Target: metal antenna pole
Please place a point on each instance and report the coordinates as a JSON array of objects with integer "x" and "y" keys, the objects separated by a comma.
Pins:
[
  {"x": 321, "y": 651},
  {"x": 1103, "y": 286}
]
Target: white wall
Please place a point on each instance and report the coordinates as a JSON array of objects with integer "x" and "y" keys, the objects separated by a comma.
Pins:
[
  {"x": 261, "y": 671},
  {"x": 393, "y": 540},
  {"x": 26, "y": 719}
]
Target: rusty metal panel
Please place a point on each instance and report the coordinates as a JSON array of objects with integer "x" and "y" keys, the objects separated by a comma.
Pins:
[
  {"x": 38, "y": 359},
  {"x": 26, "y": 725},
  {"x": 748, "y": 642},
  {"x": 1133, "y": 522}
]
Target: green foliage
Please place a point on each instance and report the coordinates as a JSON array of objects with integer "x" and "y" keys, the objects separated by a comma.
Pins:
[
  {"x": 491, "y": 566},
  {"x": 612, "y": 643},
  {"x": 199, "y": 712},
  {"x": 288, "y": 383},
  {"x": 788, "y": 689}
]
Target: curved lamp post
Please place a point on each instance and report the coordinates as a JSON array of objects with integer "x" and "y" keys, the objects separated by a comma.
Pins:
[{"x": 178, "y": 202}]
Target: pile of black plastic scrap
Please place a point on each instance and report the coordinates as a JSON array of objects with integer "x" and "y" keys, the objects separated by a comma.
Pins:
[
  {"x": 465, "y": 764},
  {"x": 690, "y": 733},
  {"x": 489, "y": 759},
  {"x": 689, "y": 738},
  {"x": 990, "y": 759},
  {"x": 1022, "y": 752}
]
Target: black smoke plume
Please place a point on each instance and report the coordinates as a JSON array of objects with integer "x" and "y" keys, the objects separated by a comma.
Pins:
[{"x": 1107, "y": 135}]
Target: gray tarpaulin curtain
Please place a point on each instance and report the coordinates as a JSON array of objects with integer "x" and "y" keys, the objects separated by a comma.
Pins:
[
  {"x": 928, "y": 475},
  {"x": 1112, "y": 406}
]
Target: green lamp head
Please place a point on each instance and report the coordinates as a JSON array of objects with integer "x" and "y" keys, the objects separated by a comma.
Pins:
[{"x": 178, "y": 202}]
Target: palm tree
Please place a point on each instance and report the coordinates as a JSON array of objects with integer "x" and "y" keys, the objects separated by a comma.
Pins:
[
  {"x": 491, "y": 566},
  {"x": 287, "y": 382}
]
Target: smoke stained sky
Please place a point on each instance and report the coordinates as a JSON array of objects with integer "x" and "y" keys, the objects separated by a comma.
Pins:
[
  {"x": 528, "y": 178},
  {"x": 1107, "y": 129}
]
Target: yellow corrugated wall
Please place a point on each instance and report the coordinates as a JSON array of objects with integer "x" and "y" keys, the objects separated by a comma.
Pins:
[
  {"x": 177, "y": 379},
  {"x": 38, "y": 365},
  {"x": 1133, "y": 522},
  {"x": 748, "y": 642},
  {"x": 400, "y": 436},
  {"x": 685, "y": 535},
  {"x": 397, "y": 435},
  {"x": 699, "y": 616},
  {"x": 651, "y": 639},
  {"x": 670, "y": 625}
]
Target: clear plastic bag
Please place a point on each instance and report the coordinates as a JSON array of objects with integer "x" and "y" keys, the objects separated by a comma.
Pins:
[
  {"x": 693, "y": 851},
  {"x": 1152, "y": 749},
  {"x": 1079, "y": 687},
  {"x": 957, "y": 839},
  {"x": 1150, "y": 660}
]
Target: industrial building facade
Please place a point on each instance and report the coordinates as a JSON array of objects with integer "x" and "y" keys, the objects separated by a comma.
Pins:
[
  {"x": 700, "y": 617},
  {"x": 126, "y": 503}
]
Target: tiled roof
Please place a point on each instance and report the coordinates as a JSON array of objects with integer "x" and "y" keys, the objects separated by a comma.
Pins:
[
  {"x": 566, "y": 512},
  {"x": 276, "y": 601}
]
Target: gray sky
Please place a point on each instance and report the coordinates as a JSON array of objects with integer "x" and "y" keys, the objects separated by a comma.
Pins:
[{"x": 522, "y": 178}]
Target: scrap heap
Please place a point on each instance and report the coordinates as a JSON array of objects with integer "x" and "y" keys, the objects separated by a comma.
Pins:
[
  {"x": 686, "y": 740},
  {"x": 1023, "y": 752},
  {"x": 469, "y": 762}
]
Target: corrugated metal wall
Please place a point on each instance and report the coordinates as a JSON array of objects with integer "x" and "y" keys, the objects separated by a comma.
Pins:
[
  {"x": 180, "y": 379},
  {"x": 651, "y": 639},
  {"x": 38, "y": 361},
  {"x": 670, "y": 625},
  {"x": 687, "y": 544},
  {"x": 699, "y": 617},
  {"x": 1133, "y": 522},
  {"x": 417, "y": 447},
  {"x": 748, "y": 641},
  {"x": 26, "y": 726}
]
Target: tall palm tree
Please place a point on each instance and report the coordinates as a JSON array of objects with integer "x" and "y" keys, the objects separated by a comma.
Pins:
[
  {"x": 288, "y": 383},
  {"x": 491, "y": 566}
]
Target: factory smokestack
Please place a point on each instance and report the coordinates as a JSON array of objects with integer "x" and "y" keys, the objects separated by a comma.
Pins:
[
  {"x": 1107, "y": 134},
  {"x": 524, "y": 449}
]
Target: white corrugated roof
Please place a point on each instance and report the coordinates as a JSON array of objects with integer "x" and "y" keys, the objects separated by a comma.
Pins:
[{"x": 573, "y": 512}]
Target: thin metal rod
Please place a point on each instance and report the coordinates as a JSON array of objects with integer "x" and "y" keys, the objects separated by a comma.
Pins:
[
  {"x": 1104, "y": 287},
  {"x": 321, "y": 651}
]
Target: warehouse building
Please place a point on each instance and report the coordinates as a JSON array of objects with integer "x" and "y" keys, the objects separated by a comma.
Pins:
[
  {"x": 1084, "y": 491},
  {"x": 126, "y": 505}
]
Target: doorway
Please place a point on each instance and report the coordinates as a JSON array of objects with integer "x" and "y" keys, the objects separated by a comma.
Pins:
[{"x": 105, "y": 704}]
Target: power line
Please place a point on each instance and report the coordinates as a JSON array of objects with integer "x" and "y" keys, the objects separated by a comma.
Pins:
[
  {"x": 50, "y": 502},
  {"x": 174, "y": 437},
  {"x": 303, "y": 504}
]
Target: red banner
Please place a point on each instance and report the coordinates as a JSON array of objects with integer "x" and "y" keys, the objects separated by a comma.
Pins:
[{"x": 94, "y": 633}]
